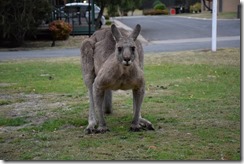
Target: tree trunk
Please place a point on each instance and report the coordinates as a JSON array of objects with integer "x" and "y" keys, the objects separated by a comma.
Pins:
[{"x": 100, "y": 15}]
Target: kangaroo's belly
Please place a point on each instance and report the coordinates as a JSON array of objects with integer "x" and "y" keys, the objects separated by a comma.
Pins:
[{"x": 126, "y": 84}]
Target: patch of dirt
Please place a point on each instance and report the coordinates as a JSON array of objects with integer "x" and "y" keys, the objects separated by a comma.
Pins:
[{"x": 36, "y": 108}]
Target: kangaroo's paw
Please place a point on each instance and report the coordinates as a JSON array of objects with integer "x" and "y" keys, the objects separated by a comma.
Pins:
[
  {"x": 102, "y": 129},
  {"x": 135, "y": 128},
  {"x": 90, "y": 128},
  {"x": 145, "y": 124}
]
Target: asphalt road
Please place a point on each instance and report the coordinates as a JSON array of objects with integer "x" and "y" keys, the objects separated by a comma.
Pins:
[
  {"x": 159, "y": 34},
  {"x": 173, "y": 27},
  {"x": 173, "y": 33}
]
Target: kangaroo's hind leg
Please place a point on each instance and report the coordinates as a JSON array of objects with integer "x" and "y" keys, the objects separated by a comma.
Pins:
[{"x": 88, "y": 71}]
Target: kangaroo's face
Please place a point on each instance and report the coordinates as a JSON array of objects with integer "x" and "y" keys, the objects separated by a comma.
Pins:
[
  {"x": 126, "y": 51},
  {"x": 125, "y": 46}
]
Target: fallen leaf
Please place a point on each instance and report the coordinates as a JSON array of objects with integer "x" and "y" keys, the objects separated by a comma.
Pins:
[{"x": 152, "y": 147}]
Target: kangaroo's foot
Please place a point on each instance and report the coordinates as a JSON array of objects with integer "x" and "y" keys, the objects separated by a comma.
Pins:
[
  {"x": 102, "y": 129},
  {"x": 143, "y": 125},
  {"x": 135, "y": 128},
  {"x": 90, "y": 128}
]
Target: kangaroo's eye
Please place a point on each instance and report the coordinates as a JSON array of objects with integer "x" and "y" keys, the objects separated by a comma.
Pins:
[
  {"x": 119, "y": 49},
  {"x": 133, "y": 48}
]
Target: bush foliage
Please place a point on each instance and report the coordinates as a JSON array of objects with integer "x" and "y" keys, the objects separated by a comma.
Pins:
[
  {"x": 21, "y": 18},
  {"x": 160, "y": 6},
  {"x": 195, "y": 8},
  {"x": 60, "y": 29}
]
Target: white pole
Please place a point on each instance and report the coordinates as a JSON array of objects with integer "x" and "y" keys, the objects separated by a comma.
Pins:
[{"x": 214, "y": 25}]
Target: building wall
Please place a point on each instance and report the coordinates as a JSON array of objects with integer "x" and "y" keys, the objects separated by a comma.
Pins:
[
  {"x": 230, "y": 5},
  {"x": 224, "y": 5}
]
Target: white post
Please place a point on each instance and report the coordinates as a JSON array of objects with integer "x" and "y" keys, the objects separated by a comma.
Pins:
[{"x": 214, "y": 25}]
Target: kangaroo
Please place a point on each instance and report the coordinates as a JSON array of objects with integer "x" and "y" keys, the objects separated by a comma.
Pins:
[{"x": 112, "y": 59}]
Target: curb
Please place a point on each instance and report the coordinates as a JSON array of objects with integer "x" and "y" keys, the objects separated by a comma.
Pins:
[{"x": 189, "y": 17}]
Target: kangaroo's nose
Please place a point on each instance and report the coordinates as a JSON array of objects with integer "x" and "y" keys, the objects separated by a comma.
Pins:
[{"x": 127, "y": 59}]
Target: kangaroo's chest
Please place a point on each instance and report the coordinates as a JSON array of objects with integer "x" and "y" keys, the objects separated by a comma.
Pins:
[
  {"x": 124, "y": 83},
  {"x": 114, "y": 76},
  {"x": 126, "y": 80}
]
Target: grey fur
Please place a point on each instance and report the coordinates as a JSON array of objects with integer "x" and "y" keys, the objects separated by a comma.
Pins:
[{"x": 112, "y": 59}]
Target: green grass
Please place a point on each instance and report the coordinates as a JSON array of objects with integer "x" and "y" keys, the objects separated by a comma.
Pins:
[
  {"x": 4, "y": 102},
  {"x": 42, "y": 76},
  {"x": 12, "y": 121},
  {"x": 192, "y": 98}
]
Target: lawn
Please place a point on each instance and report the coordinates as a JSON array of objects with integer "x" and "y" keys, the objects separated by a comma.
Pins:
[{"x": 192, "y": 98}]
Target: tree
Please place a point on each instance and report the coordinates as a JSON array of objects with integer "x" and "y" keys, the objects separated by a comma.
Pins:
[
  {"x": 129, "y": 5},
  {"x": 19, "y": 18},
  {"x": 208, "y": 7},
  {"x": 123, "y": 5},
  {"x": 102, "y": 4},
  {"x": 136, "y": 4}
]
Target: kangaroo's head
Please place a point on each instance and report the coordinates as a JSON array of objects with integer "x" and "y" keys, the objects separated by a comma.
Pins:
[{"x": 125, "y": 48}]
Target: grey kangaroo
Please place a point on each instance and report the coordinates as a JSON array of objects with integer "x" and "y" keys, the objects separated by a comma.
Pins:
[{"x": 112, "y": 59}]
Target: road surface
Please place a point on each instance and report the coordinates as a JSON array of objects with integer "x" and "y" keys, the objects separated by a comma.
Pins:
[
  {"x": 175, "y": 33},
  {"x": 46, "y": 53}
]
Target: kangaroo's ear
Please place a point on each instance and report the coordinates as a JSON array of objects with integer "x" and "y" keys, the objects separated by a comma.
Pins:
[
  {"x": 116, "y": 33},
  {"x": 136, "y": 32}
]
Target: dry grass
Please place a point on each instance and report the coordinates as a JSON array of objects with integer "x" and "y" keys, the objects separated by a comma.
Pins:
[
  {"x": 229, "y": 56},
  {"x": 71, "y": 42}
]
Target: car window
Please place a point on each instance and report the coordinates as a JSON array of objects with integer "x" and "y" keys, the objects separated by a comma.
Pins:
[
  {"x": 72, "y": 9},
  {"x": 84, "y": 8}
]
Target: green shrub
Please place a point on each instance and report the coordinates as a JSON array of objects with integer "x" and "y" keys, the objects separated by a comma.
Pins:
[
  {"x": 106, "y": 17},
  {"x": 108, "y": 23},
  {"x": 195, "y": 8},
  {"x": 156, "y": 2},
  {"x": 160, "y": 6},
  {"x": 198, "y": 6}
]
